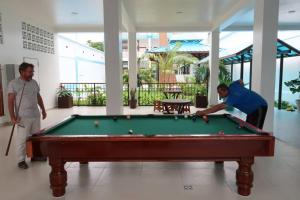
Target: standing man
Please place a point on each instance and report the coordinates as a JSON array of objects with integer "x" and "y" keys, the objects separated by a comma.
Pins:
[
  {"x": 28, "y": 117},
  {"x": 247, "y": 101}
]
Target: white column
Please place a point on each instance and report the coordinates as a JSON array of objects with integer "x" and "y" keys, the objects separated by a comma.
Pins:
[
  {"x": 264, "y": 53},
  {"x": 132, "y": 60},
  {"x": 213, "y": 67},
  {"x": 113, "y": 56}
]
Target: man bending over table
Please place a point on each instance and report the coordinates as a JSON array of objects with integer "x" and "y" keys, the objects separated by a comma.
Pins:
[
  {"x": 27, "y": 116},
  {"x": 247, "y": 101}
]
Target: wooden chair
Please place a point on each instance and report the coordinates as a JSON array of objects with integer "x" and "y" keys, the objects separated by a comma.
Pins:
[
  {"x": 187, "y": 108},
  {"x": 157, "y": 106}
]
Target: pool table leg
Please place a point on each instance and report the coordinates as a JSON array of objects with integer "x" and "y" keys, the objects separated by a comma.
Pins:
[
  {"x": 58, "y": 176},
  {"x": 244, "y": 176}
]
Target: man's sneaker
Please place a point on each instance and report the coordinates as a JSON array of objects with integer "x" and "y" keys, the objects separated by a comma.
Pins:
[
  {"x": 22, "y": 165},
  {"x": 39, "y": 158}
]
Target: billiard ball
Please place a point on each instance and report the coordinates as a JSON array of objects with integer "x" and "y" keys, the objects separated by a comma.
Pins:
[
  {"x": 186, "y": 116},
  {"x": 96, "y": 123},
  {"x": 128, "y": 116},
  {"x": 130, "y": 132},
  {"x": 175, "y": 117},
  {"x": 115, "y": 118},
  {"x": 194, "y": 118}
]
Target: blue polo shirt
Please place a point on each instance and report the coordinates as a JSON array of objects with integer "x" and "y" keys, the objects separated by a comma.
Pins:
[{"x": 244, "y": 99}]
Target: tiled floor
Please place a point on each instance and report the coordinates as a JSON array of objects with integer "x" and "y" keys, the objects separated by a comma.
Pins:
[{"x": 275, "y": 178}]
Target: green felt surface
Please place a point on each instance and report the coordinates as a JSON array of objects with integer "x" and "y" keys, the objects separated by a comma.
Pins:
[{"x": 146, "y": 125}]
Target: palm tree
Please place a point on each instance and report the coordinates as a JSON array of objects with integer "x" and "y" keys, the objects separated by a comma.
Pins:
[{"x": 169, "y": 61}]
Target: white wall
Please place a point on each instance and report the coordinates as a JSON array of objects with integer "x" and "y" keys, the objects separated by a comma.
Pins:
[
  {"x": 14, "y": 12},
  {"x": 79, "y": 63}
]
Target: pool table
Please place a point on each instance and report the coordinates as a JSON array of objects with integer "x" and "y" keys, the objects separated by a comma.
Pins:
[{"x": 150, "y": 138}]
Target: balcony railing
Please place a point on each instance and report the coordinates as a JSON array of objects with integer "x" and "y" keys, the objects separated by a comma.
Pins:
[
  {"x": 94, "y": 94},
  {"x": 149, "y": 92}
]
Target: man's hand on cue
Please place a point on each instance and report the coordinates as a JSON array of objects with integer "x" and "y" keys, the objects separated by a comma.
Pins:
[
  {"x": 203, "y": 115},
  {"x": 200, "y": 113},
  {"x": 15, "y": 120}
]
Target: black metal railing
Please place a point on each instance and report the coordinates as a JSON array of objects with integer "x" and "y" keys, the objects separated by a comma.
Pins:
[
  {"x": 149, "y": 92},
  {"x": 92, "y": 94}
]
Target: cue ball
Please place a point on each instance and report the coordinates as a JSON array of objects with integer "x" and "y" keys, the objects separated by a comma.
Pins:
[
  {"x": 96, "y": 123},
  {"x": 176, "y": 118},
  {"x": 130, "y": 132},
  {"x": 128, "y": 116},
  {"x": 185, "y": 116}
]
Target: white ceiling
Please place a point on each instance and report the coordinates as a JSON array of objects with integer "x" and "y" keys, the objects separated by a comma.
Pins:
[
  {"x": 286, "y": 19},
  {"x": 162, "y": 15}
]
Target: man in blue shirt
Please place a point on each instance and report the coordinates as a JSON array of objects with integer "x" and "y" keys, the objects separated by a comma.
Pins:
[{"x": 247, "y": 101}]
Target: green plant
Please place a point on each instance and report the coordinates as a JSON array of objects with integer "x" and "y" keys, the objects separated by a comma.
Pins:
[
  {"x": 201, "y": 90},
  {"x": 294, "y": 85},
  {"x": 132, "y": 93},
  {"x": 96, "y": 45},
  {"x": 202, "y": 73},
  {"x": 224, "y": 74},
  {"x": 285, "y": 105},
  {"x": 146, "y": 75},
  {"x": 63, "y": 92},
  {"x": 169, "y": 61},
  {"x": 125, "y": 76}
]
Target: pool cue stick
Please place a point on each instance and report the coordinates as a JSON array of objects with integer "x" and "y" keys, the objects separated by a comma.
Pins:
[{"x": 13, "y": 128}]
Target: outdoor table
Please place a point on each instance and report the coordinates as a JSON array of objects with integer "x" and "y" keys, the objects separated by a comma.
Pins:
[
  {"x": 169, "y": 93},
  {"x": 170, "y": 105}
]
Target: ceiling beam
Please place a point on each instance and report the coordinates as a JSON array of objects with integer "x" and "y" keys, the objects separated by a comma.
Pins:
[
  {"x": 127, "y": 23},
  {"x": 78, "y": 28},
  {"x": 233, "y": 14},
  {"x": 154, "y": 28},
  {"x": 281, "y": 27}
]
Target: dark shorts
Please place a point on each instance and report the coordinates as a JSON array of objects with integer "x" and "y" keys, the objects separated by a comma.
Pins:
[{"x": 257, "y": 118}]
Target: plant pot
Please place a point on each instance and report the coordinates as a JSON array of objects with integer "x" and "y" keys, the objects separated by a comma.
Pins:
[
  {"x": 201, "y": 101},
  {"x": 298, "y": 104},
  {"x": 65, "y": 102},
  {"x": 132, "y": 103}
]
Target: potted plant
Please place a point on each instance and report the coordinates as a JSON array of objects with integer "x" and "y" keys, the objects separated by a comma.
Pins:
[
  {"x": 294, "y": 86},
  {"x": 132, "y": 101},
  {"x": 65, "y": 98},
  {"x": 201, "y": 100}
]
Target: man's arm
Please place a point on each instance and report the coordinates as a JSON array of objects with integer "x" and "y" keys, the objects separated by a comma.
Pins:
[
  {"x": 41, "y": 104},
  {"x": 11, "y": 107},
  {"x": 213, "y": 109}
]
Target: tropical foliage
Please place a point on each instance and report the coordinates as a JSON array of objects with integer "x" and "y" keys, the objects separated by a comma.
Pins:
[
  {"x": 63, "y": 92},
  {"x": 170, "y": 60},
  {"x": 202, "y": 73},
  {"x": 294, "y": 85},
  {"x": 96, "y": 45}
]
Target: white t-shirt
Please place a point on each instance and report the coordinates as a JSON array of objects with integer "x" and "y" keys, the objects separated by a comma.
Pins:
[{"x": 29, "y": 105}]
